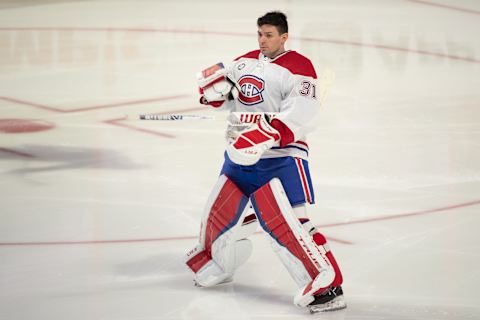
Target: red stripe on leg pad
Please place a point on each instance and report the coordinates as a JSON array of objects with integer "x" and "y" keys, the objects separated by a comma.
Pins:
[
  {"x": 215, "y": 257},
  {"x": 322, "y": 241},
  {"x": 198, "y": 261},
  {"x": 274, "y": 222},
  {"x": 222, "y": 212}
]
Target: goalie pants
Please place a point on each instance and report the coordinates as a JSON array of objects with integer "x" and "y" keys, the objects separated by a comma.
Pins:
[{"x": 292, "y": 172}]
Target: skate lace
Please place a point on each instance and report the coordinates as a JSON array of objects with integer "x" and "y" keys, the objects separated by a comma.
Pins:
[{"x": 330, "y": 292}]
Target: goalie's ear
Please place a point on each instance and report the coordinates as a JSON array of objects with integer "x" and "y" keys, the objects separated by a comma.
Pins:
[{"x": 284, "y": 38}]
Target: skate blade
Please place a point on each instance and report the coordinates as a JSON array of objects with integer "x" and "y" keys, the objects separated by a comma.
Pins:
[
  {"x": 336, "y": 304},
  {"x": 226, "y": 281}
]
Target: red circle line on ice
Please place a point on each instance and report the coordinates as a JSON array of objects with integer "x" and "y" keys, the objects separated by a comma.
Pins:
[{"x": 24, "y": 125}]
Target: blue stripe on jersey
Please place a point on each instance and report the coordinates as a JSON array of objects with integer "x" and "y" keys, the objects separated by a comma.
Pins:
[{"x": 293, "y": 147}]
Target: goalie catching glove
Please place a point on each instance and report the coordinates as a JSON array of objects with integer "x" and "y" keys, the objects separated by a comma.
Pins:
[
  {"x": 251, "y": 143},
  {"x": 215, "y": 85}
]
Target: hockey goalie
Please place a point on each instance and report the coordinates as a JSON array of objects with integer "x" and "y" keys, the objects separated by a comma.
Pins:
[{"x": 271, "y": 97}]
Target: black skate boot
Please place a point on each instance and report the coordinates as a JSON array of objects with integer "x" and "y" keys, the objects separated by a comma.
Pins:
[{"x": 330, "y": 300}]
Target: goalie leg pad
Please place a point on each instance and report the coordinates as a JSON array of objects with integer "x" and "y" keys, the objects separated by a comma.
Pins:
[
  {"x": 208, "y": 272},
  {"x": 306, "y": 262},
  {"x": 221, "y": 250},
  {"x": 320, "y": 240}
]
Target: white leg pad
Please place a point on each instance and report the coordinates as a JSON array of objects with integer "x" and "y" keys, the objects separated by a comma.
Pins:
[
  {"x": 221, "y": 249},
  {"x": 213, "y": 273},
  {"x": 294, "y": 265},
  {"x": 306, "y": 262}
]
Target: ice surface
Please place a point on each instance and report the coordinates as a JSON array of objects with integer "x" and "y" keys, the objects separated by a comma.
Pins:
[{"x": 97, "y": 213}]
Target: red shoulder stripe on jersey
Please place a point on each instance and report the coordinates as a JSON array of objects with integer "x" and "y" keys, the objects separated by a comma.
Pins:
[
  {"x": 251, "y": 55},
  {"x": 296, "y": 64}
]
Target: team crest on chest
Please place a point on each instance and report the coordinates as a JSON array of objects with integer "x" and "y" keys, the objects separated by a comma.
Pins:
[{"x": 251, "y": 90}]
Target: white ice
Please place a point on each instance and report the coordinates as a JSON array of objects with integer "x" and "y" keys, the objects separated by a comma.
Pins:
[{"x": 98, "y": 212}]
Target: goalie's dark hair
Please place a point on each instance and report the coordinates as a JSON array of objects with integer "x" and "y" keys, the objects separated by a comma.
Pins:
[{"x": 274, "y": 18}]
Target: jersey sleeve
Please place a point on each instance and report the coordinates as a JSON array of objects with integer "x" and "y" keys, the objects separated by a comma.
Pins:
[{"x": 300, "y": 105}]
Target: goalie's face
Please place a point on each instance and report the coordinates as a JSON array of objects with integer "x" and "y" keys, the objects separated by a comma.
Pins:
[{"x": 270, "y": 41}]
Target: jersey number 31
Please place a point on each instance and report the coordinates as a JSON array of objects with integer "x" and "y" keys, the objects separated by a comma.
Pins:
[{"x": 308, "y": 89}]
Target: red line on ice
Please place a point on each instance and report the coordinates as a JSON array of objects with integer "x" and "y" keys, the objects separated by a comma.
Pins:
[
  {"x": 444, "y": 6},
  {"x": 90, "y": 108},
  {"x": 375, "y": 219},
  {"x": 402, "y": 215},
  {"x": 240, "y": 34}
]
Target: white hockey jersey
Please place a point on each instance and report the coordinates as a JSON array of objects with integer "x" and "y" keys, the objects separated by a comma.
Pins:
[{"x": 286, "y": 85}]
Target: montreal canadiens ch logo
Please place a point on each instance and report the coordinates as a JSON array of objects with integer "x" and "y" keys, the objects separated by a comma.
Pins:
[{"x": 251, "y": 90}]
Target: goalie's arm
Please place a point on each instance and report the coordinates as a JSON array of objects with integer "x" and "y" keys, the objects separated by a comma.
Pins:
[{"x": 299, "y": 110}]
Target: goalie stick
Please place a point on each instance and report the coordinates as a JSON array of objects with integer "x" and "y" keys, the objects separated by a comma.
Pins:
[{"x": 174, "y": 117}]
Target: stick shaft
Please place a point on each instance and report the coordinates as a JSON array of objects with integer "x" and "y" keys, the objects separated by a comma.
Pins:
[{"x": 173, "y": 117}]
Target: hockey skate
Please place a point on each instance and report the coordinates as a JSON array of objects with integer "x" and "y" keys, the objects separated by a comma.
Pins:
[{"x": 330, "y": 300}]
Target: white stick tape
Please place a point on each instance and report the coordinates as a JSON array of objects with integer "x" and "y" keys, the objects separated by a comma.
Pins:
[{"x": 174, "y": 117}]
